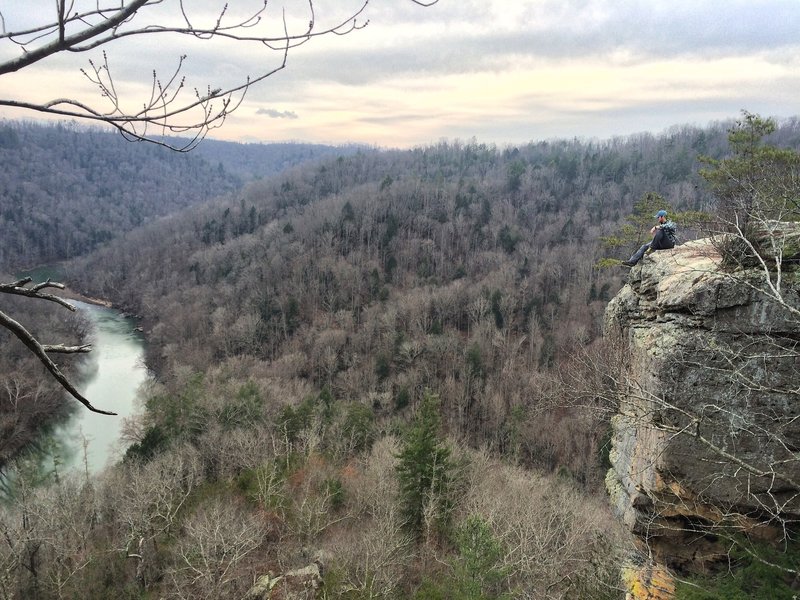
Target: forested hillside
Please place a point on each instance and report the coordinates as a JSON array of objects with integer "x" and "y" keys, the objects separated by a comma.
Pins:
[
  {"x": 365, "y": 367},
  {"x": 65, "y": 189},
  {"x": 255, "y": 161},
  {"x": 462, "y": 269}
]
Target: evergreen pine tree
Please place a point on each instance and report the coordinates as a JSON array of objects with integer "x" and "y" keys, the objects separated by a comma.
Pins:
[{"x": 425, "y": 470}]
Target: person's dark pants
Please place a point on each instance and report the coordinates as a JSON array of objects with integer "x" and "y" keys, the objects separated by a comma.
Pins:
[{"x": 660, "y": 242}]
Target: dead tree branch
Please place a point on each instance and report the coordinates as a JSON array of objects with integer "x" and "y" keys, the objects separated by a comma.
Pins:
[
  {"x": 41, "y": 350},
  {"x": 171, "y": 109}
]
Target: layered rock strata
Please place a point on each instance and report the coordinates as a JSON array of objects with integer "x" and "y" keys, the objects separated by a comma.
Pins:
[{"x": 707, "y": 435}]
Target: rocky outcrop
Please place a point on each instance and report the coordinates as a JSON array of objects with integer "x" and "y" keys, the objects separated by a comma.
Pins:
[
  {"x": 299, "y": 584},
  {"x": 707, "y": 434}
]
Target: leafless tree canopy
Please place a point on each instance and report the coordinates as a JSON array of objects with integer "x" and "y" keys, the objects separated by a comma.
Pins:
[{"x": 173, "y": 106}]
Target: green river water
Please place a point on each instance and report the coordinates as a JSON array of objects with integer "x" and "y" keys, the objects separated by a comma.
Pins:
[{"x": 112, "y": 378}]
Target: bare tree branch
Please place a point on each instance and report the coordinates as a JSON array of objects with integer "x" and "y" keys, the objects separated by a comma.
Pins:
[
  {"x": 17, "y": 288},
  {"x": 41, "y": 350},
  {"x": 71, "y": 43},
  {"x": 61, "y": 348},
  {"x": 172, "y": 108}
]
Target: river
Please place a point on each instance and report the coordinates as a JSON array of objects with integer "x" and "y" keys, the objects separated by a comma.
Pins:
[{"x": 111, "y": 380}]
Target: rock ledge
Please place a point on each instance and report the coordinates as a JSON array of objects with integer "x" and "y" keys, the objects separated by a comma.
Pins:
[{"x": 703, "y": 404}]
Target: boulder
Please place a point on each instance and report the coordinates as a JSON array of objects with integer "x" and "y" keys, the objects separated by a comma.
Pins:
[{"x": 299, "y": 584}]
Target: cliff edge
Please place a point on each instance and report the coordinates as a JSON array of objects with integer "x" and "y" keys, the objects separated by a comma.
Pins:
[{"x": 706, "y": 440}]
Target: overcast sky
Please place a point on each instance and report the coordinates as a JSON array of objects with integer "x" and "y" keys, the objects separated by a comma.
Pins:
[{"x": 502, "y": 71}]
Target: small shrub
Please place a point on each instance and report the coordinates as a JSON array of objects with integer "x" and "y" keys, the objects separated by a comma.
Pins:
[
  {"x": 402, "y": 398},
  {"x": 334, "y": 488},
  {"x": 154, "y": 442}
]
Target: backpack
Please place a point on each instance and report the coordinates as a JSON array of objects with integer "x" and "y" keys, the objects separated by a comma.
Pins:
[{"x": 670, "y": 230}]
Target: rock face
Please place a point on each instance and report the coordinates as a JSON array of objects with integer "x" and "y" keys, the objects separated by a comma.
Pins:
[
  {"x": 707, "y": 433},
  {"x": 299, "y": 584}
]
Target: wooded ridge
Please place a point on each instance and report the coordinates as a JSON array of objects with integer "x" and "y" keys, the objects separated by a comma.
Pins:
[{"x": 66, "y": 189}]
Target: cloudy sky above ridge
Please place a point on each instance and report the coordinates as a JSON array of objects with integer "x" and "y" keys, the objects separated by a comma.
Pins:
[{"x": 502, "y": 71}]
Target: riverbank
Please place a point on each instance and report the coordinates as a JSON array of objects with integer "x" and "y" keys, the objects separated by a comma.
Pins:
[
  {"x": 57, "y": 274},
  {"x": 66, "y": 435}
]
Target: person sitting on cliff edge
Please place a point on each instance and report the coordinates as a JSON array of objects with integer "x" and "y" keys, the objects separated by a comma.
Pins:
[{"x": 663, "y": 238}]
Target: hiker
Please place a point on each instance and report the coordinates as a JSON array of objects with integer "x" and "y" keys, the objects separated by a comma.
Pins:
[{"x": 663, "y": 238}]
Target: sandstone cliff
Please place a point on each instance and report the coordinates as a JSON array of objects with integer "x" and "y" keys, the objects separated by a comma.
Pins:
[{"x": 707, "y": 435}]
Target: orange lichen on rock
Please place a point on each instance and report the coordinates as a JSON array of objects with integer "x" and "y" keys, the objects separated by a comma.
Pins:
[{"x": 648, "y": 582}]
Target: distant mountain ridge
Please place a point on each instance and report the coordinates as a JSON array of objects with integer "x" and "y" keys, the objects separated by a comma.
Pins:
[
  {"x": 66, "y": 190},
  {"x": 257, "y": 160}
]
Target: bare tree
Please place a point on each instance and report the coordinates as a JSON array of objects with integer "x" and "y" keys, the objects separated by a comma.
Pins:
[
  {"x": 148, "y": 500},
  {"x": 47, "y": 526},
  {"x": 375, "y": 554},
  {"x": 211, "y": 553},
  {"x": 80, "y": 26},
  {"x": 21, "y": 405},
  {"x": 556, "y": 542},
  {"x": 757, "y": 193}
]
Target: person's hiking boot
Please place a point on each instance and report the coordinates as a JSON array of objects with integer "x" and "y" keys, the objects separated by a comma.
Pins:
[{"x": 627, "y": 263}]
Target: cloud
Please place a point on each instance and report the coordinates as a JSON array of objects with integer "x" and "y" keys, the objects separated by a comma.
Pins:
[
  {"x": 277, "y": 114},
  {"x": 505, "y": 71},
  {"x": 402, "y": 119},
  {"x": 492, "y": 36}
]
